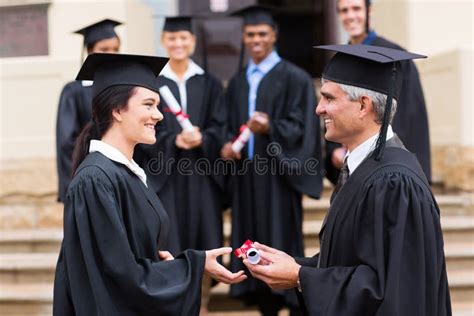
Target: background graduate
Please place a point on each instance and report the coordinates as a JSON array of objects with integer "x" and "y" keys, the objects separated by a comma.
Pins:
[
  {"x": 115, "y": 228},
  {"x": 75, "y": 103},
  {"x": 411, "y": 120},
  {"x": 276, "y": 100},
  {"x": 192, "y": 195},
  {"x": 381, "y": 242}
]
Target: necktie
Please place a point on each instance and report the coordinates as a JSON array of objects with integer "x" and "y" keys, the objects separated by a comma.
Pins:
[
  {"x": 343, "y": 176},
  {"x": 255, "y": 78}
]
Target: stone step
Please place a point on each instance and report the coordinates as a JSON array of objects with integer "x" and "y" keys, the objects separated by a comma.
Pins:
[
  {"x": 455, "y": 229},
  {"x": 26, "y": 299},
  {"x": 36, "y": 299},
  {"x": 461, "y": 287},
  {"x": 30, "y": 240},
  {"x": 23, "y": 268}
]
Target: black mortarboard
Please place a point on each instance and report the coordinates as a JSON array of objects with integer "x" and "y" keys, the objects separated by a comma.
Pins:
[
  {"x": 256, "y": 14},
  {"x": 369, "y": 67},
  {"x": 178, "y": 23},
  {"x": 109, "y": 70},
  {"x": 98, "y": 31}
]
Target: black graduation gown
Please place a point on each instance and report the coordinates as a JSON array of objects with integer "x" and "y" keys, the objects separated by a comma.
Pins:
[
  {"x": 382, "y": 252},
  {"x": 109, "y": 265},
  {"x": 74, "y": 112},
  {"x": 266, "y": 199},
  {"x": 189, "y": 189},
  {"x": 411, "y": 119}
]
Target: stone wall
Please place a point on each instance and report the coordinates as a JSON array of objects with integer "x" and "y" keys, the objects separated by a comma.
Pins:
[{"x": 28, "y": 195}]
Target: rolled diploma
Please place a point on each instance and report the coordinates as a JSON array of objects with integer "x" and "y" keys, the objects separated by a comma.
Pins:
[
  {"x": 239, "y": 143},
  {"x": 176, "y": 109},
  {"x": 253, "y": 256}
]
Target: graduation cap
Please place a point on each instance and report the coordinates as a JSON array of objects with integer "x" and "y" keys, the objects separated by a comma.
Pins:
[
  {"x": 109, "y": 70},
  {"x": 98, "y": 31},
  {"x": 178, "y": 23},
  {"x": 256, "y": 14},
  {"x": 369, "y": 67}
]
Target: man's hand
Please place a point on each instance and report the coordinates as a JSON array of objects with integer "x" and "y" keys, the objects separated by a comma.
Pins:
[
  {"x": 189, "y": 139},
  {"x": 165, "y": 255},
  {"x": 217, "y": 271},
  {"x": 227, "y": 153},
  {"x": 259, "y": 123},
  {"x": 278, "y": 270}
]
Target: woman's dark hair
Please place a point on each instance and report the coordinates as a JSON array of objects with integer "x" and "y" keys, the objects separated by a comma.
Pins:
[{"x": 103, "y": 104}]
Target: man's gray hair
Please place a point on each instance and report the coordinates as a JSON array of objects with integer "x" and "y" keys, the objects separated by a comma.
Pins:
[{"x": 379, "y": 99}]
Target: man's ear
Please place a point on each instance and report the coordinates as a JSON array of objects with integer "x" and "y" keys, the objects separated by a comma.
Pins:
[
  {"x": 366, "y": 106},
  {"x": 117, "y": 115}
]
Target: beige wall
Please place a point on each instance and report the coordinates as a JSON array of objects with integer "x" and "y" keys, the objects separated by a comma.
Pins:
[
  {"x": 30, "y": 86},
  {"x": 443, "y": 30},
  {"x": 427, "y": 26}
]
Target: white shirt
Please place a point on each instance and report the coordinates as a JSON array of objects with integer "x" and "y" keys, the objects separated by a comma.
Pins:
[
  {"x": 87, "y": 83},
  {"x": 193, "y": 69},
  {"x": 114, "y": 154},
  {"x": 356, "y": 156}
]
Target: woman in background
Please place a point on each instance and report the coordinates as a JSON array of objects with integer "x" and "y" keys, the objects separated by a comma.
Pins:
[
  {"x": 75, "y": 103},
  {"x": 192, "y": 194}
]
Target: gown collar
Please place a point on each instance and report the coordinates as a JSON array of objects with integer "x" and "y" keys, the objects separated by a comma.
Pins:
[{"x": 115, "y": 155}]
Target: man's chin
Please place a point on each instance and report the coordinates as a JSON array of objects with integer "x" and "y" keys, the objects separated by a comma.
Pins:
[{"x": 331, "y": 138}]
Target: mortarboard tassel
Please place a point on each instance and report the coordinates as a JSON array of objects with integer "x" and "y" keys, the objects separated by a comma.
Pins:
[{"x": 379, "y": 148}]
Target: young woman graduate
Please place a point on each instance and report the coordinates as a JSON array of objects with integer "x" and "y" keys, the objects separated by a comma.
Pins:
[
  {"x": 75, "y": 103},
  {"x": 115, "y": 227}
]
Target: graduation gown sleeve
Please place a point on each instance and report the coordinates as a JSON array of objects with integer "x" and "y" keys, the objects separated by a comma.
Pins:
[
  {"x": 113, "y": 280},
  {"x": 215, "y": 117},
  {"x": 399, "y": 267},
  {"x": 74, "y": 111},
  {"x": 297, "y": 132}
]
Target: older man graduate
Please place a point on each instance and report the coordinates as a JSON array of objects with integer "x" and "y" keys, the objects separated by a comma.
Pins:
[{"x": 381, "y": 242}]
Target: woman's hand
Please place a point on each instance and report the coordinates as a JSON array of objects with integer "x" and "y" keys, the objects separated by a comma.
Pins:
[
  {"x": 189, "y": 139},
  {"x": 217, "y": 271},
  {"x": 165, "y": 255}
]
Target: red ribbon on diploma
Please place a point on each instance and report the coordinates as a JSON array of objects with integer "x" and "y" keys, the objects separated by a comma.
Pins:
[
  {"x": 244, "y": 248},
  {"x": 179, "y": 113}
]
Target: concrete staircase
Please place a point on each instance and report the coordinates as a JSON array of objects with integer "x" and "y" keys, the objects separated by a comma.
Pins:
[{"x": 28, "y": 258}]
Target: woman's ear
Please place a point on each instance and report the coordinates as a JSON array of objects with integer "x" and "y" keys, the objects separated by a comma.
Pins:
[{"x": 117, "y": 116}]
